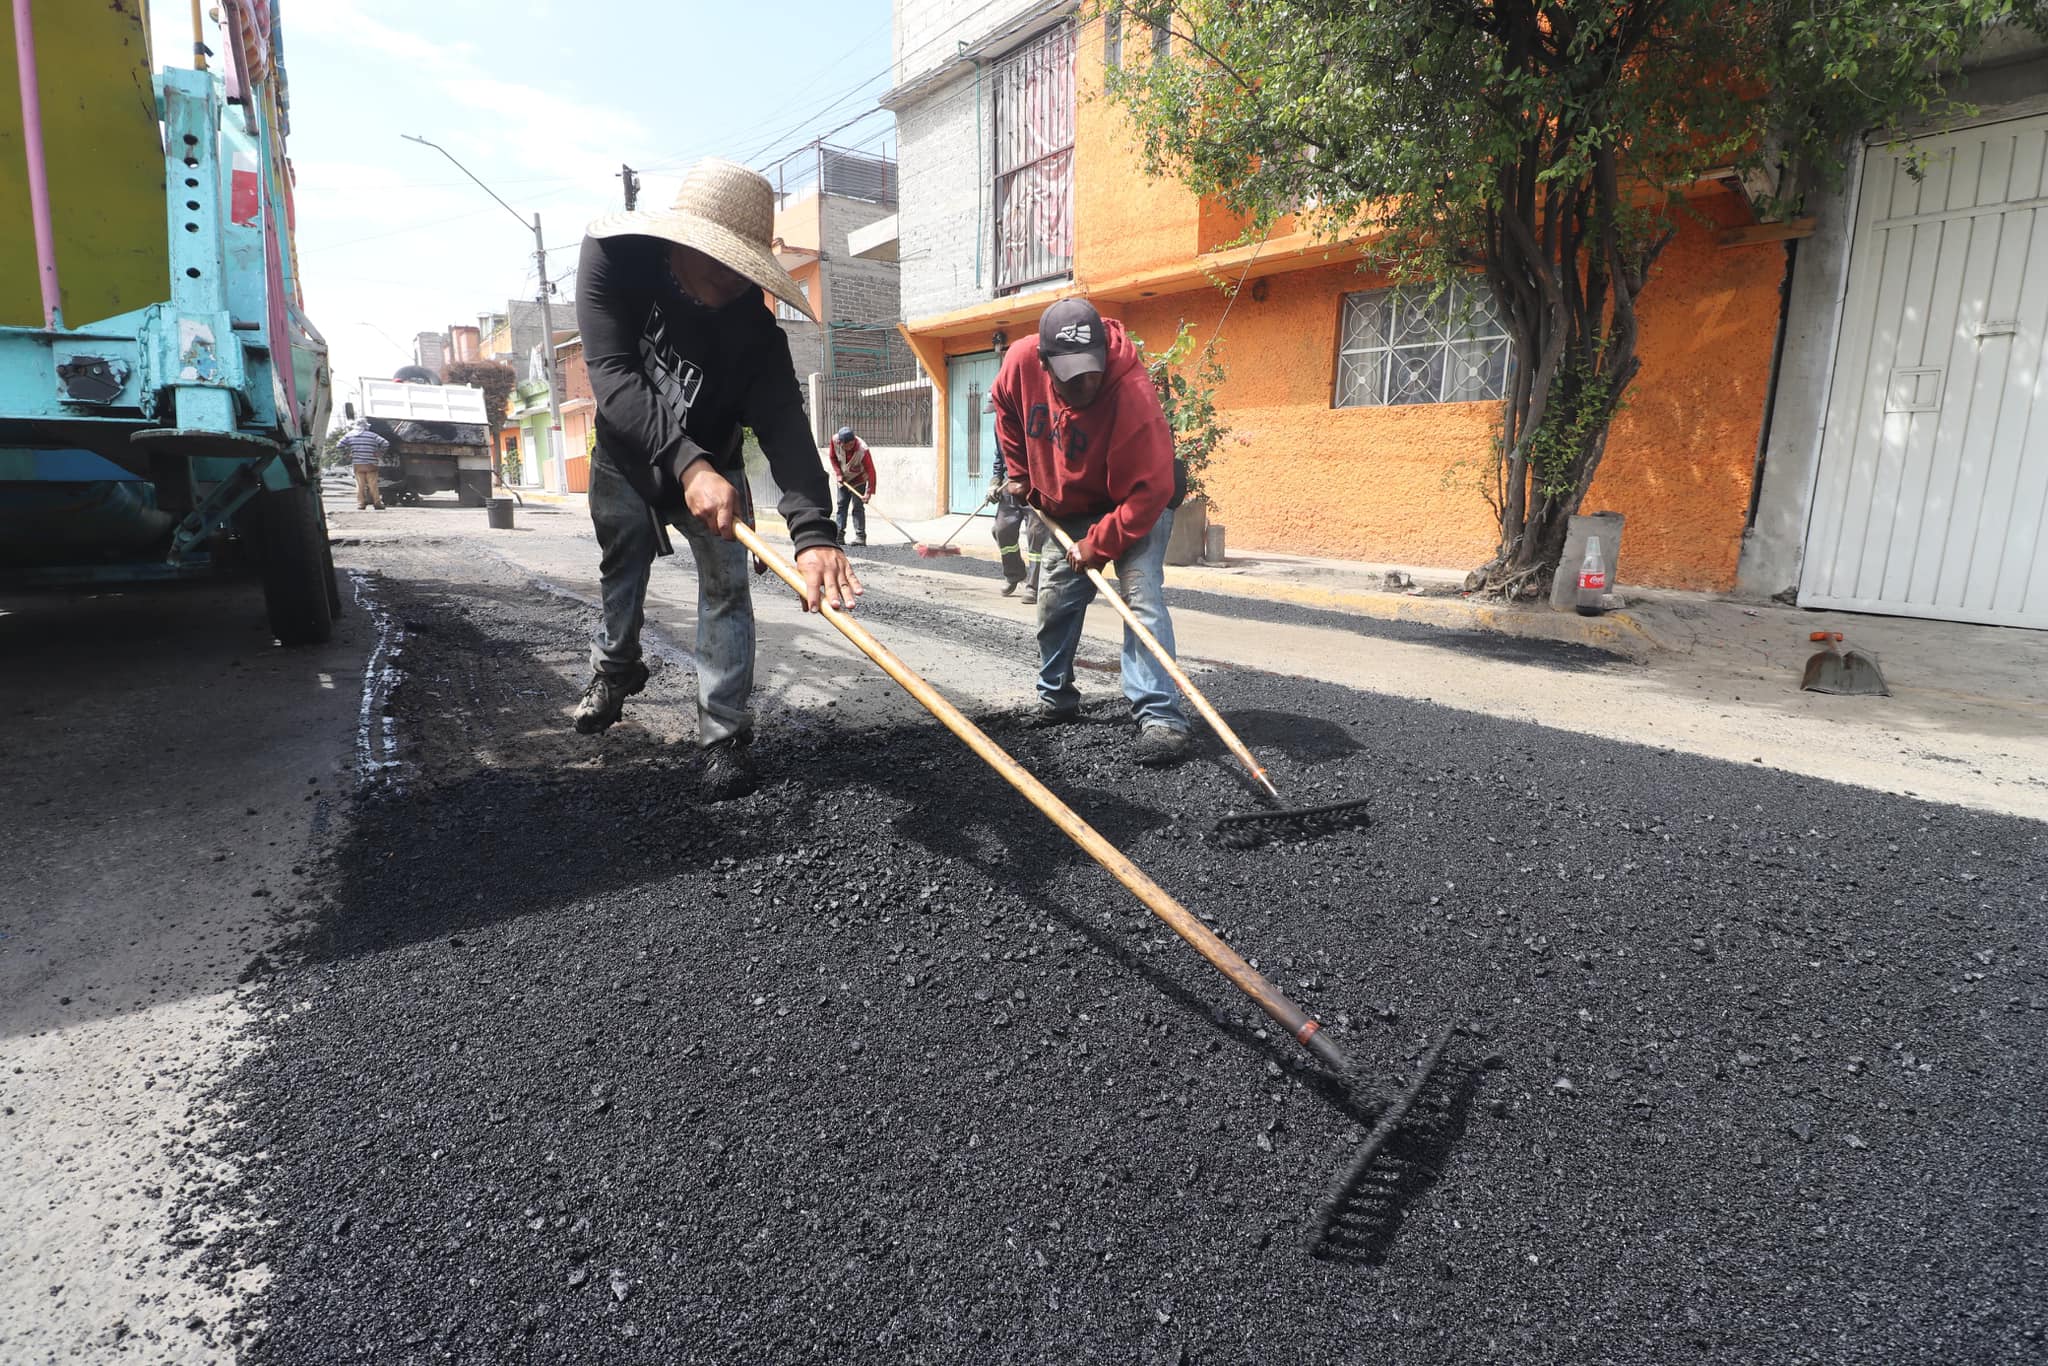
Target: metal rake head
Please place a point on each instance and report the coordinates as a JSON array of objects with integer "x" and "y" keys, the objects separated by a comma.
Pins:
[
  {"x": 1357, "y": 1216},
  {"x": 1254, "y": 828}
]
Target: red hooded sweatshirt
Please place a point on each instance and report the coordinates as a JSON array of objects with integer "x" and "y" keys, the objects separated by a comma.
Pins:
[{"x": 1112, "y": 459}]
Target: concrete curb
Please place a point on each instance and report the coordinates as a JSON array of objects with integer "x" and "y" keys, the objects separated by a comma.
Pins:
[{"x": 1616, "y": 631}]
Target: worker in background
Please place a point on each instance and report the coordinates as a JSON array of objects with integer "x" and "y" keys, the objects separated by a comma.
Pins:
[
  {"x": 365, "y": 449},
  {"x": 853, "y": 465},
  {"x": 1084, "y": 440},
  {"x": 683, "y": 352},
  {"x": 1014, "y": 523}
]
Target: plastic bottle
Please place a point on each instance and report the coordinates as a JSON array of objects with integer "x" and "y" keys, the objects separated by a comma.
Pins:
[{"x": 1592, "y": 597}]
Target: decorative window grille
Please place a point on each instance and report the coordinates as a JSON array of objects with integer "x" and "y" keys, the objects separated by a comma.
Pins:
[
  {"x": 1400, "y": 346},
  {"x": 1034, "y": 162}
]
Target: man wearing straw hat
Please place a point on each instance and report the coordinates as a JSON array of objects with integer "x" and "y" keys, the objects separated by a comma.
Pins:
[{"x": 683, "y": 353}]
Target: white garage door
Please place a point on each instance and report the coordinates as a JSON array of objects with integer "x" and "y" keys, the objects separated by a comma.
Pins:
[{"x": 1932, "y": 497}]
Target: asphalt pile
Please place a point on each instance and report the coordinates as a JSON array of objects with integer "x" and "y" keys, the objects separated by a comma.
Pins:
[{"x": 872, "y": 1065}]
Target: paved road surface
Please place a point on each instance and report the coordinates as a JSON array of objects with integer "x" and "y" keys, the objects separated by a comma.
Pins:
[{"x": 551, "y": 1063}]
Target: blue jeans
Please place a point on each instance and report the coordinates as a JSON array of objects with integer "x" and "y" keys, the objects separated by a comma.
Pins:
[
  {"x": 627, "y": 546},
  {"x": 1063, "y": 600},
  {"x": 851, "y": 502}
]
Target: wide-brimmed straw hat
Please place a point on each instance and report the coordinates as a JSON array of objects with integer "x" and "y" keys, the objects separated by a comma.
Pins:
[{"x": 728, "y": 213}]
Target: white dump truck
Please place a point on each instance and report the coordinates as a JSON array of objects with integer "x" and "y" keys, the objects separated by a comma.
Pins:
[{"x": 440, "y": 436}]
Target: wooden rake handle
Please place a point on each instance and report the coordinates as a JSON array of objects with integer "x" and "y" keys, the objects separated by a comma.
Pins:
[
  {"x": 1302, "y": 1027},
  {"x": 1167, "y": 661}
]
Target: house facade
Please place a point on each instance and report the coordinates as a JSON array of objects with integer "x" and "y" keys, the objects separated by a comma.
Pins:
[
  {"x": 825, "y": 194},
  {"x": 1362, "y": 417},
  {"x": 835, "y": 234},
  {"x": 579, "y": 413}
]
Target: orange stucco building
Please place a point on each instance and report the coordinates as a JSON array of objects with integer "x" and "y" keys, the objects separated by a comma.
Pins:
[{"x": 1395, "y": 482}]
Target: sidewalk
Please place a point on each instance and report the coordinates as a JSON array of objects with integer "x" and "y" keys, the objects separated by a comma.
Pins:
[
  {"x": 1934, "y": 664},
  {"x": 1994, "y": 663}
]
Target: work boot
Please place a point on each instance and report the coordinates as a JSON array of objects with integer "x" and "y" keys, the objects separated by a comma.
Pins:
[
  {"x": 1010, "y": 587},
  {"x": 1159, "y": 746},
  {"x": 728, "y": 769},
  {"x": 1030, "y": 596},
  {"x": 1040, "y": 716},
  {"x": 605, "y": 697}
]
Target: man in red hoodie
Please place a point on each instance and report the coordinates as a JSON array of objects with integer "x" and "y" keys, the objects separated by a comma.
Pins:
[{"x": 1084, "y": 440}]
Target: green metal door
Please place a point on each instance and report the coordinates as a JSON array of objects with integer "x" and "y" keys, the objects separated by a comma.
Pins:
[{"x": 970, "y": 430}]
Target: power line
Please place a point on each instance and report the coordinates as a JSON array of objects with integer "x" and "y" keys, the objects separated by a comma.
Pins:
[
  {"x": 818, "y": 114},
  {"x": 682, "y": 160},
  {"x": 815, "y": 114}
]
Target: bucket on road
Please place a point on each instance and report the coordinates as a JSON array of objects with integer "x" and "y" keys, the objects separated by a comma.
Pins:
[{"x": 499, "y": 510}]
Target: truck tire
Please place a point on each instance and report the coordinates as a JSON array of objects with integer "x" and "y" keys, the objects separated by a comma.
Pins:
[
  {"x": 297, "y": 569},
  {"x": 335, "y": 602},
  {"x": 473, "y": 487}
]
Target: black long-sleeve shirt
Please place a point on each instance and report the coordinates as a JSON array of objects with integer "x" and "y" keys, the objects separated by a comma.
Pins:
[{"x": 676, "y": 381}]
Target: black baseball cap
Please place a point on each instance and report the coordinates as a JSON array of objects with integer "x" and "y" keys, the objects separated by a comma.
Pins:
[{"x": 1071, "y": 341}]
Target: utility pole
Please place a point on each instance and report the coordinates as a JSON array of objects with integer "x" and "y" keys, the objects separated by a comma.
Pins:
[
  {"x": 631, "y": 181},
  {"x": 547, "y": 348},
  {"x": 547, "y": 315}
]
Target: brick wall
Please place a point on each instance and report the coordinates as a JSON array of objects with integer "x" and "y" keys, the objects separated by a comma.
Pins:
[
  {"x": 806, "y": 346},
  {"x": 575, "y": 374},
  {"x": 945, "y": 210},
  {"x": 929, "y": 32}
]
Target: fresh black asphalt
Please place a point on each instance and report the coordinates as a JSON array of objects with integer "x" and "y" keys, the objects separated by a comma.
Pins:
[{"x": 874, "y": 1066}]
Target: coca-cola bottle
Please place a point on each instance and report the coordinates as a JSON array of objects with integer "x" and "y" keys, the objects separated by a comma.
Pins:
[{"x": 1592, "y": 597}]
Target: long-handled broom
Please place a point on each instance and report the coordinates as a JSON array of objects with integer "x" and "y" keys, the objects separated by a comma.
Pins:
[
  {"x": 1299, "y": 1024},
  {"x": 946, "y": 547},
  {"x": 891, "y": 521}
]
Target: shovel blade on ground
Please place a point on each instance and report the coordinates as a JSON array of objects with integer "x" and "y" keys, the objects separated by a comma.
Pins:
[{"x": 1846, "y": 673}]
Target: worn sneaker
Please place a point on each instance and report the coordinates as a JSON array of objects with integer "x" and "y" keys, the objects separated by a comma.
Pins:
[
  {"x": 1039, "y": 716},
  {"x": 728, "y": 770},
  {"x": 1160, "y": 746},
  {"x": 605, "y": 697}
]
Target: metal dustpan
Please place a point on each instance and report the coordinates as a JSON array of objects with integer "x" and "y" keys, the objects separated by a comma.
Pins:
[{"x": 1846, "y": 673}]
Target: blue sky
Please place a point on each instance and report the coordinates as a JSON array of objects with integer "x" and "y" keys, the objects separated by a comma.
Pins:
[{"x": 542, "y": 99}]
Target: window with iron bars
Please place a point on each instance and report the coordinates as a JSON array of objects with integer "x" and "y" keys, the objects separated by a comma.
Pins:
[
  {"x": 789, "y": 312},
  {"x": 1401, "y": 346},
  {"x": 1034, "y": 162}
]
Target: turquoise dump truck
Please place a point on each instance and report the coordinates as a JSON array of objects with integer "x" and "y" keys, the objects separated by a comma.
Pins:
[{"x": 162, "y": 392}]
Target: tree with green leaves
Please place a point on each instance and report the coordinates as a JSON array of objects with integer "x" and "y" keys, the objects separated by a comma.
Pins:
[
  {"x": 497, "y": 380},
  {"x": 1547, "y": 144},
  {"x": 1187, "y": 395}
]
